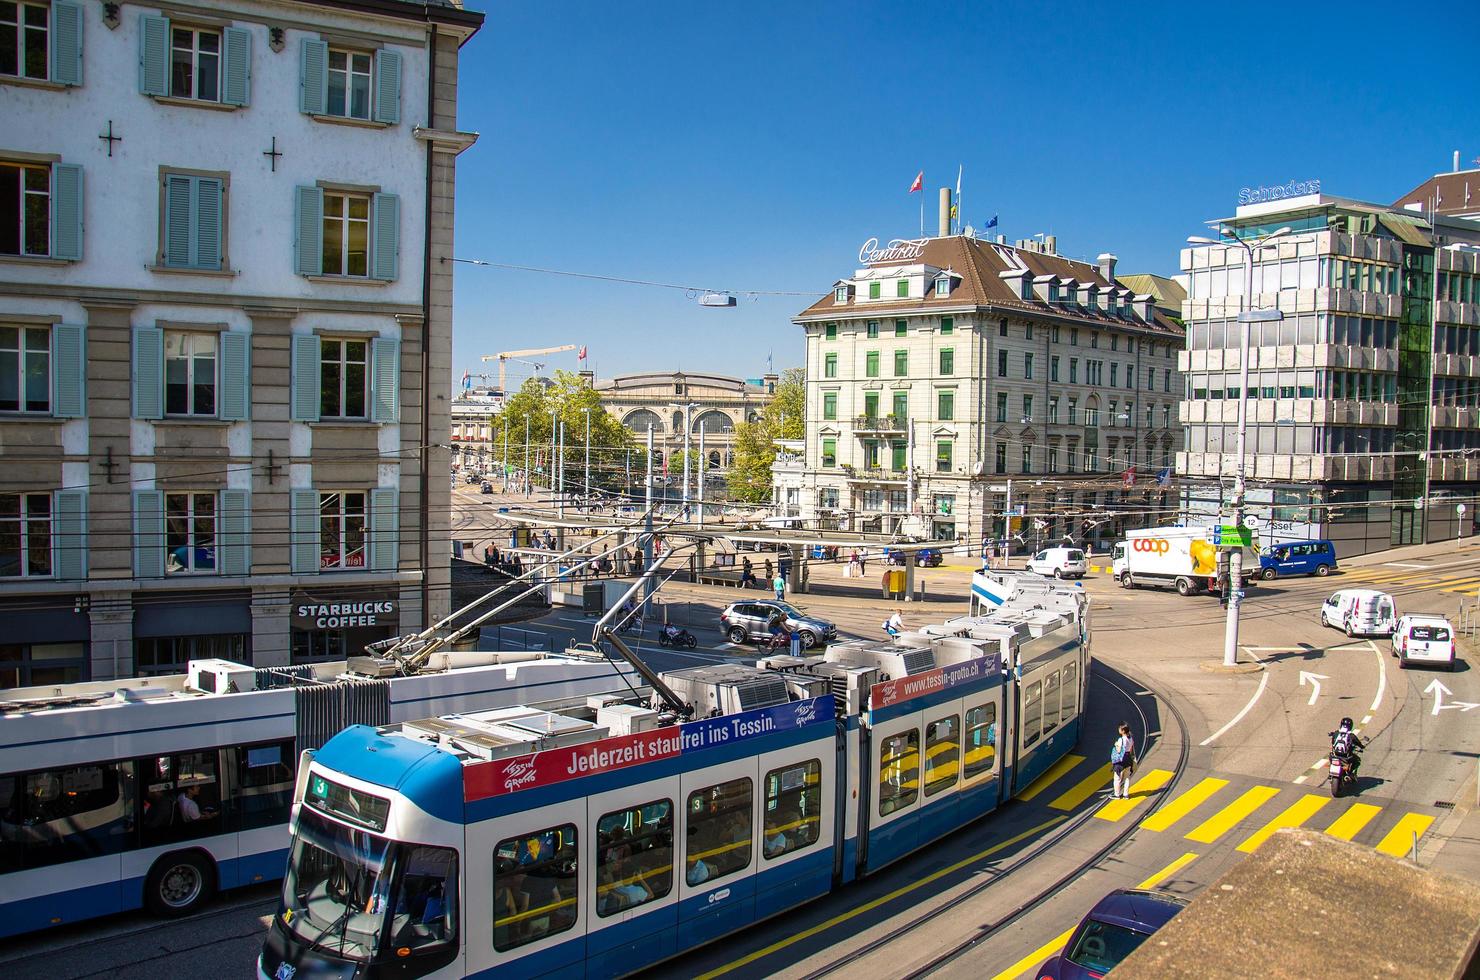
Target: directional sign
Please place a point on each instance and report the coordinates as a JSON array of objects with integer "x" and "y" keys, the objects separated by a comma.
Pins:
[
  {"x": 1232, "y": 536},
  {"x": 1439, "y": 691},
  {"x": 1314, "y": 680}
]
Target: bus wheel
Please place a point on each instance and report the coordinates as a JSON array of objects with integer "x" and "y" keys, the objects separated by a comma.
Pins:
[{"x": 179, "y": 883}]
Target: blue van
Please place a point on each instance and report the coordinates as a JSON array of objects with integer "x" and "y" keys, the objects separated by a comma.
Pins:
[{"x": 1298, "y": 558}]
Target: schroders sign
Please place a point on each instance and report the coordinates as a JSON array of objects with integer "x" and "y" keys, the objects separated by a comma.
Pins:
[
  {"x": 898, "y": 250},
  {"x": 1295, "y": 188}
]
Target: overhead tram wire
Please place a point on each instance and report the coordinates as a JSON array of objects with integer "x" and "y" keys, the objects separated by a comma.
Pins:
[{"x": 693, "y": 290}]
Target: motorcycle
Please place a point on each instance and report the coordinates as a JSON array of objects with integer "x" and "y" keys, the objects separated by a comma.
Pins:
[
  {"x": 1341, "y": 768},
  {"x": 677, "y": 637}
]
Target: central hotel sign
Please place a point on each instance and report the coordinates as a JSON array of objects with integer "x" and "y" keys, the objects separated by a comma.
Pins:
[{"x": 898, "y": 250}]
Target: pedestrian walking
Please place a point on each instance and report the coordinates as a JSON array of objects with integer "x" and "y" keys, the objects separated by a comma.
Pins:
[
  {"x": 779, "y": 584},
  {"x": 1123, "y": 763},
  {"x": 769, "y": 572}
]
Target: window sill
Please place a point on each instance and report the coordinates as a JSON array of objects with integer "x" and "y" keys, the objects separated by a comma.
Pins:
[
  {"x": 23, "y": 82},
  {"x": 347, "y": 281},
  {"x": 196, "y": 103},
  {"x": 349, "y": 121},
  {"x": 178, "y": 271},
  {"x": 32, "y": 418},
  {"x": 344, "y": 424},
  {"x": 34, "y": 260},
  {"x": 192, "y": 421}
]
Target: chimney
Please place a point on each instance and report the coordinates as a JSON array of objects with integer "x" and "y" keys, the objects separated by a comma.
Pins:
[
  {"x": 945, "y": 212},
  {"x": 1107, "y": 266},
  {"x": 1051, "y": 244},
  {"x": 1456, "y": 161},
  {"x": 588, "y": 379}
]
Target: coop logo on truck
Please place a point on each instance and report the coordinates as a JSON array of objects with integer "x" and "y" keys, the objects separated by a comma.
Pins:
[{"x": 1159, "y": 546}]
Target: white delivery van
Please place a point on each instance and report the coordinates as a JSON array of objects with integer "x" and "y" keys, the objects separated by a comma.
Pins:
[
  {"x": 1181, "y": 558},
  {"x": 1421, "y": 638},
  {"x": 1059, "y": 562},
  {"x": 1360, "y": 612}
]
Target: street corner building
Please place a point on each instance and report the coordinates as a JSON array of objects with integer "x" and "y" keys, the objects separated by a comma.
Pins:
[
  {"x": 1363, "y": 408},
  {"x": 952, "y": 379},
  {"x": 225, "y": 330}
]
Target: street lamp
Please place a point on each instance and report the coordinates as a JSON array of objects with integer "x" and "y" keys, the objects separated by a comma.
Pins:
[
  {"x": 587, "y": 489},
  {"x": 1236, "y": 556},
  {"x": 687, "y": 408}
]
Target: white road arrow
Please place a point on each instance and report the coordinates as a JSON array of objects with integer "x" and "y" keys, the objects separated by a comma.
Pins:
[
  {"x": 1314, "y": 680},
  {"x": 1438, "y": 690}
]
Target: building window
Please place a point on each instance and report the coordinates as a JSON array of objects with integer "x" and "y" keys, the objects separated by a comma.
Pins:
[
  {"x": 873, "y": 500},
  {"x": 190, "y": 374},
  {"x": 874, "y": 290},
  {"x": 1054, "y": 333},
  {"x": 830, "y": 366},
  {"x": 947, "y": 325},
  {"x": 1115, "y": 341},
  {"x": 1166, "y": 380},
  {"x": 190, "y": 533},
  {"x": 193, "y": 222},
  {"x": 827, "y": 498},
  {"x": 1002, "y": 364},
  {"x": 1166, "y": 416},
  {"x": 349, "y": 84},
  {"x": 1001, "y": 460},
  {"x": 195, "y": 64},
  {"x": 1001, "y": 406},
  {"x": 1027, "y": 331},
  {"x": 341, "y": 529},
  {"x": 945, "y": 406},
  {"x": 942, "y": 286},
  {"x": 901, "y": 328},
  {"x": 830, "y": 332},
  {"x": 1027, "y": 408},
  {"x": 1028, "y": 366},
  {"x": 1027, "y": 459},
  {"x": 1002, "y": 327},
  {"x": 1053, "y": 459},
  {"x": 1113, "y": 368},
  {"x": 42, "y": 664},
  {"x": 346, "y": 234},
  {"x": 23, "y": 39},
  {"x": 1073, "y": 410},
  {"x": 25, "y": 535},
  {"x": 901, "y": 363},
  {"x": 25, "y": 209},
  {"x": 872, "y": 330},
  {"x": 25, "y": 369},
  {"x": 1053, "y": 409},
  {"x": 1073, "y": 336},
  {"x": 943, "y": 452},
  {"x": 898, "y": 449},
  {"x": 830, "y": 405},
  {"x": 172, "y": 654},
  {"x": 1130, "y": 375},
  {"x": 902, "y": 289},
  {"x": 343, "y": 379},
  {"x": 829, "y": 452},
  {"x": 943, "y": 503},
  {"x": 871, "y": 404},
  {"x": 841, "y": 295},
  {"x": 1053, "y": 368},
  {"x": 947, "y": 361}
]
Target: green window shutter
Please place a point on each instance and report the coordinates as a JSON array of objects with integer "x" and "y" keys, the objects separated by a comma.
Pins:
[
  {"x": 235, "y": 401},
  {"x": 233, "y": 535},
  {"x": 385, "y": 379},
  {"x": 313, "y": 76},
  {"x": 385, "y": 244},
  {"x": 387, "y": 87},
  {"x": 385, "y": 529},
  {"x": 871, "y": 405},
  {"x": 69, "y": 534},
  {"x": 829, "y": 452},
  {"x": 154, "y": 55},
  {"x": 897, "y": 452},
  {"x": 149, "y": 533},
  {"x": 901, "y": 363},
  {"x": 873, "y": 290},
  {"x": 871, "y": 364},
  {"x": 66, "y": 42},
  {"x": 947, "y": 324},
  {"x": 179, "y": 214},
  {"x": 303, "y": 531},
  {"x": 830, "y": 405},
  {"x": 308, "y": 231},
  {"x": 236, "y": 66},
  {"x": 947, "y": 361},
  {"x": 148, "y": 373},
  {"x": 68, "y": 371},
  {"x": 901, "y": 406},
  {"x": 66, "y": 211},
  {"x": 946, "y": 409},
  {"x": 208, "y": 223},
  {"x": 306, "y": 378}
]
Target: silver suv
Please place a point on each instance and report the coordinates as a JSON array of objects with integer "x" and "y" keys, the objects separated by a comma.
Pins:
[{"x": 750, "y": 621}]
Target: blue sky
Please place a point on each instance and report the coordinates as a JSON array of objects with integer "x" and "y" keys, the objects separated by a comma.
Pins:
[{"x": 756, "y": 146}]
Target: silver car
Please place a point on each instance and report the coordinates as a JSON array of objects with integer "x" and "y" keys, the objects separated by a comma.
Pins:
[{"x": 750, "y": 621}]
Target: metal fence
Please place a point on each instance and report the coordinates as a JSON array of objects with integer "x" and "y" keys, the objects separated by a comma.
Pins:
[{"x": 1469, "y": 617}]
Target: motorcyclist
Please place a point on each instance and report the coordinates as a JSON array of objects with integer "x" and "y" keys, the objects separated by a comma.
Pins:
[
  {"x": 1347, "y": 745},
  {"x": 671, "y": 631},
  {"x": 894, "y": 625}
]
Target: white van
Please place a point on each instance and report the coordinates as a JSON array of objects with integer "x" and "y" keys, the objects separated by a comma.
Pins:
[
  {"x": 1360, "y": 612},
  {"x": 1424, "y": 639},
  {"x": 1059, "y": 562}
]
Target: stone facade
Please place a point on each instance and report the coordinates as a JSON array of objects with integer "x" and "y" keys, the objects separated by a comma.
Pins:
[{"x": 721, "y": 403}]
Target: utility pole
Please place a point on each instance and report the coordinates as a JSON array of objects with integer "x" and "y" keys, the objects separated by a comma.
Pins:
[
  {"x": 587, "y": 489},
  {"x": 506, "y": 457},
  {"x": 703, "y": 465},
  {"x": 528, "y": 472},
  {"x": 647, "y": 547}
]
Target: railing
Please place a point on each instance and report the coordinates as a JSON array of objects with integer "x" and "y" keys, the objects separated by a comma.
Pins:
[
  {"x": 881, "y": 423},
  {"x": 1469, "y": 617}
]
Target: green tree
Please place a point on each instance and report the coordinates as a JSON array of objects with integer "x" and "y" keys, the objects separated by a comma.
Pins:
[
  {"x": 755, "y": 442},
  {"x": 569, "y": 399}
]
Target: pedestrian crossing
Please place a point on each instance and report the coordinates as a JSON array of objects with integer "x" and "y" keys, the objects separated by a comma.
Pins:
[{"x": 1456, "y": 581}]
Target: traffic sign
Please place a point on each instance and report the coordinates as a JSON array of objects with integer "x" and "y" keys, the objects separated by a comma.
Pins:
[
  {"x": 1251, "y": 521},
  {"x": 1232, "y": 536}
]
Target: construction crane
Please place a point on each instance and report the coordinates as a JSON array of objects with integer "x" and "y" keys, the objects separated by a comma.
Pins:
[{"x": 515, "y": 355}]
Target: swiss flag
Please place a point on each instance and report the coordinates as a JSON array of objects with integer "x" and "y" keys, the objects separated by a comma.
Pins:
[
  {"x": 581, "y": 354},
  {"x": 919, "y": 182}
]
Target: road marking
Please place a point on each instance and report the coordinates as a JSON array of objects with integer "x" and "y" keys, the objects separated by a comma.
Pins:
[
  {"x": 1399, "y": 840},
  {"x": 1083, "y": 790},
  {"x": 1169, "y": 870},
  {"x": 1381, "y": 678},
  {"x": 1350, "y": 823},
  {"x": 1448, "y": 583},
  {"x": 1225, "y": 819},
  {"x": 1052, "y": 773},
  {"x": 1299, "y": 779},
  {"x": 1037, "y": 956},
  {"x": 1171, "y": 812},
  {"x": 1142, "y": 788},
  {"x": 1263, "y": 683},
  {"x": 1366, "y": 719},
  {"x": 884, "y": 899},
  {"x": 1293, "y": 815},
  {"x": 1314, "y": 680}
]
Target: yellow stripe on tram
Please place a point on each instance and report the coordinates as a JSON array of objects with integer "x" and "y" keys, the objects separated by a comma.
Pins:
[
  {"x": 1227, "y": 818},
  {"x": 1050, "y": 775},
  {"x": 1083, "y": 789},
  {"x": 1140, "y": 790},
  {"x": 1350, "y": 823},
  {"x": 1294, "y": 815},
  {"x": 1184, "y": 804},
  {"x": 1399, "y": 841}
]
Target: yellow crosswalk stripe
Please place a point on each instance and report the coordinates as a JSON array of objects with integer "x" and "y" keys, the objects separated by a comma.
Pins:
[
  {"x": 1083, "y": 789},
  {"x": 1225, "y": 819},
  {"x": 1140, "y": 790},
  {"x": 1037, "y": 956},
  {"x": 1399, "y": 840},
  {"x": 1469, "y": 590},
  {"x": 1350, "y": 823},
  {"x": 1448, "y": 583},
  {"x": 1293, "y": 815},
  {"x": 1169, "y": 870},
  {"x": 1184, "y": 804},
  {"x": 1051, "y": 774}
]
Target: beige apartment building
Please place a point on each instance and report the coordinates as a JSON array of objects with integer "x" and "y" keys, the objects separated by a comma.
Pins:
[{"x": 225, "y": 332}]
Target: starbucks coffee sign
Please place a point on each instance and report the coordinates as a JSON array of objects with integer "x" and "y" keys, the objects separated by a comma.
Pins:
[{"x": 315, "y": 614}]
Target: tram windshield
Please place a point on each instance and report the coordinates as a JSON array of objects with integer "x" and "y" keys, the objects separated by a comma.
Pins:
[{"x": 343, "y": 885}]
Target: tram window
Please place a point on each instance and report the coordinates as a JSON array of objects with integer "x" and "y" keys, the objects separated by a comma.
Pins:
[
  {"x": 182, "y": 797},
  {"x": 981, "y": 739},
  {"x": 534, "y": 887},
  {"x": 264, "y": 783},
  {"x": 634, "y": 853},
  {"x": 942, "y": 754},
  {"x": 1032, "y": 722},
  {"x": 721, "y": 821},
  {"x": 793, "y": 817},
  {"x": 1070, "y": 689},
  {"x": 899, "y": 771},
  {"x": 66, "y": 814},
  {"x": 1050, "y": 702},
  {"x": 425, "y": 900}
]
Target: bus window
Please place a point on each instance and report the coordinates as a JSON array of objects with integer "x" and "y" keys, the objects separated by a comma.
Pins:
[
  {"x": 981, "y": 739},
  {"x": 942, "y": 754},
  {"x": 1032, "y": 723},
  {"x": 263, "y": 792},
  {"x": 424, "y": 897},
  {"x": 634, "y": 854},
  {"x": 66, "y": 814},
  {"x": 182, "y": 797},
  {"x": 793, "y": 808},
  {"x": 899, "y": 771},
  {"x": 534, "y": 887},
  {"x": 1070, "y": 691},
  {"x": 1050, "y": 702},
  {"x": 721, "y": 820}
]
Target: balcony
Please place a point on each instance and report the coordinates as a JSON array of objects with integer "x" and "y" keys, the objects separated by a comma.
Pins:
[
  {"x": 873, "y": 474},
  {"x": 881, "y": 423}
]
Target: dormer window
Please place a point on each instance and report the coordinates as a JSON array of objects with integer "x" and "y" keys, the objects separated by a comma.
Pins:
[
  {"x": 942, "y": 285},
  {"x": 1027, "y": 287},
  {"x": 840, "y": 295}
]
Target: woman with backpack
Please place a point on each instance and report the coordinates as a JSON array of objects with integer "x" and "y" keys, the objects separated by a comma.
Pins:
[{"x": 1123, "y": 763}]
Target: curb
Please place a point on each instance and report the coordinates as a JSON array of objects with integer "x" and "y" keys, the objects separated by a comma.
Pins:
[{"x": 1218, "y": 667}]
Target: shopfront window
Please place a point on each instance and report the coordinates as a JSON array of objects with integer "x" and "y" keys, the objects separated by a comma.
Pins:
[
  {"x": 171, "y": 654},
  {"x": 42, "y": 664}
]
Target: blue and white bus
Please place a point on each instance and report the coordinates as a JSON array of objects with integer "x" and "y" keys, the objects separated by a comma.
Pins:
[
  {"x": 598, "y": 838},
  {"x": 159, "y": 791}
]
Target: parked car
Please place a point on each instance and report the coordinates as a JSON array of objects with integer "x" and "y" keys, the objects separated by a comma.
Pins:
[
  {"x": 1119, "y": 922},
  {"x": 1423, "y": 638},
  {"x": 924, "y": 558},
  {"x": 750, "y": 622},
  {"x": 486, "y": 488},
  {"x": 1298, "y": 558},
  {"x": 1360, "y": 612},
  {"x": 1059, "y": 562}
]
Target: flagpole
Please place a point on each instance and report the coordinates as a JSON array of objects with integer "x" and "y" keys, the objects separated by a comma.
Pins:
[{"x": 921, "y": 192}]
